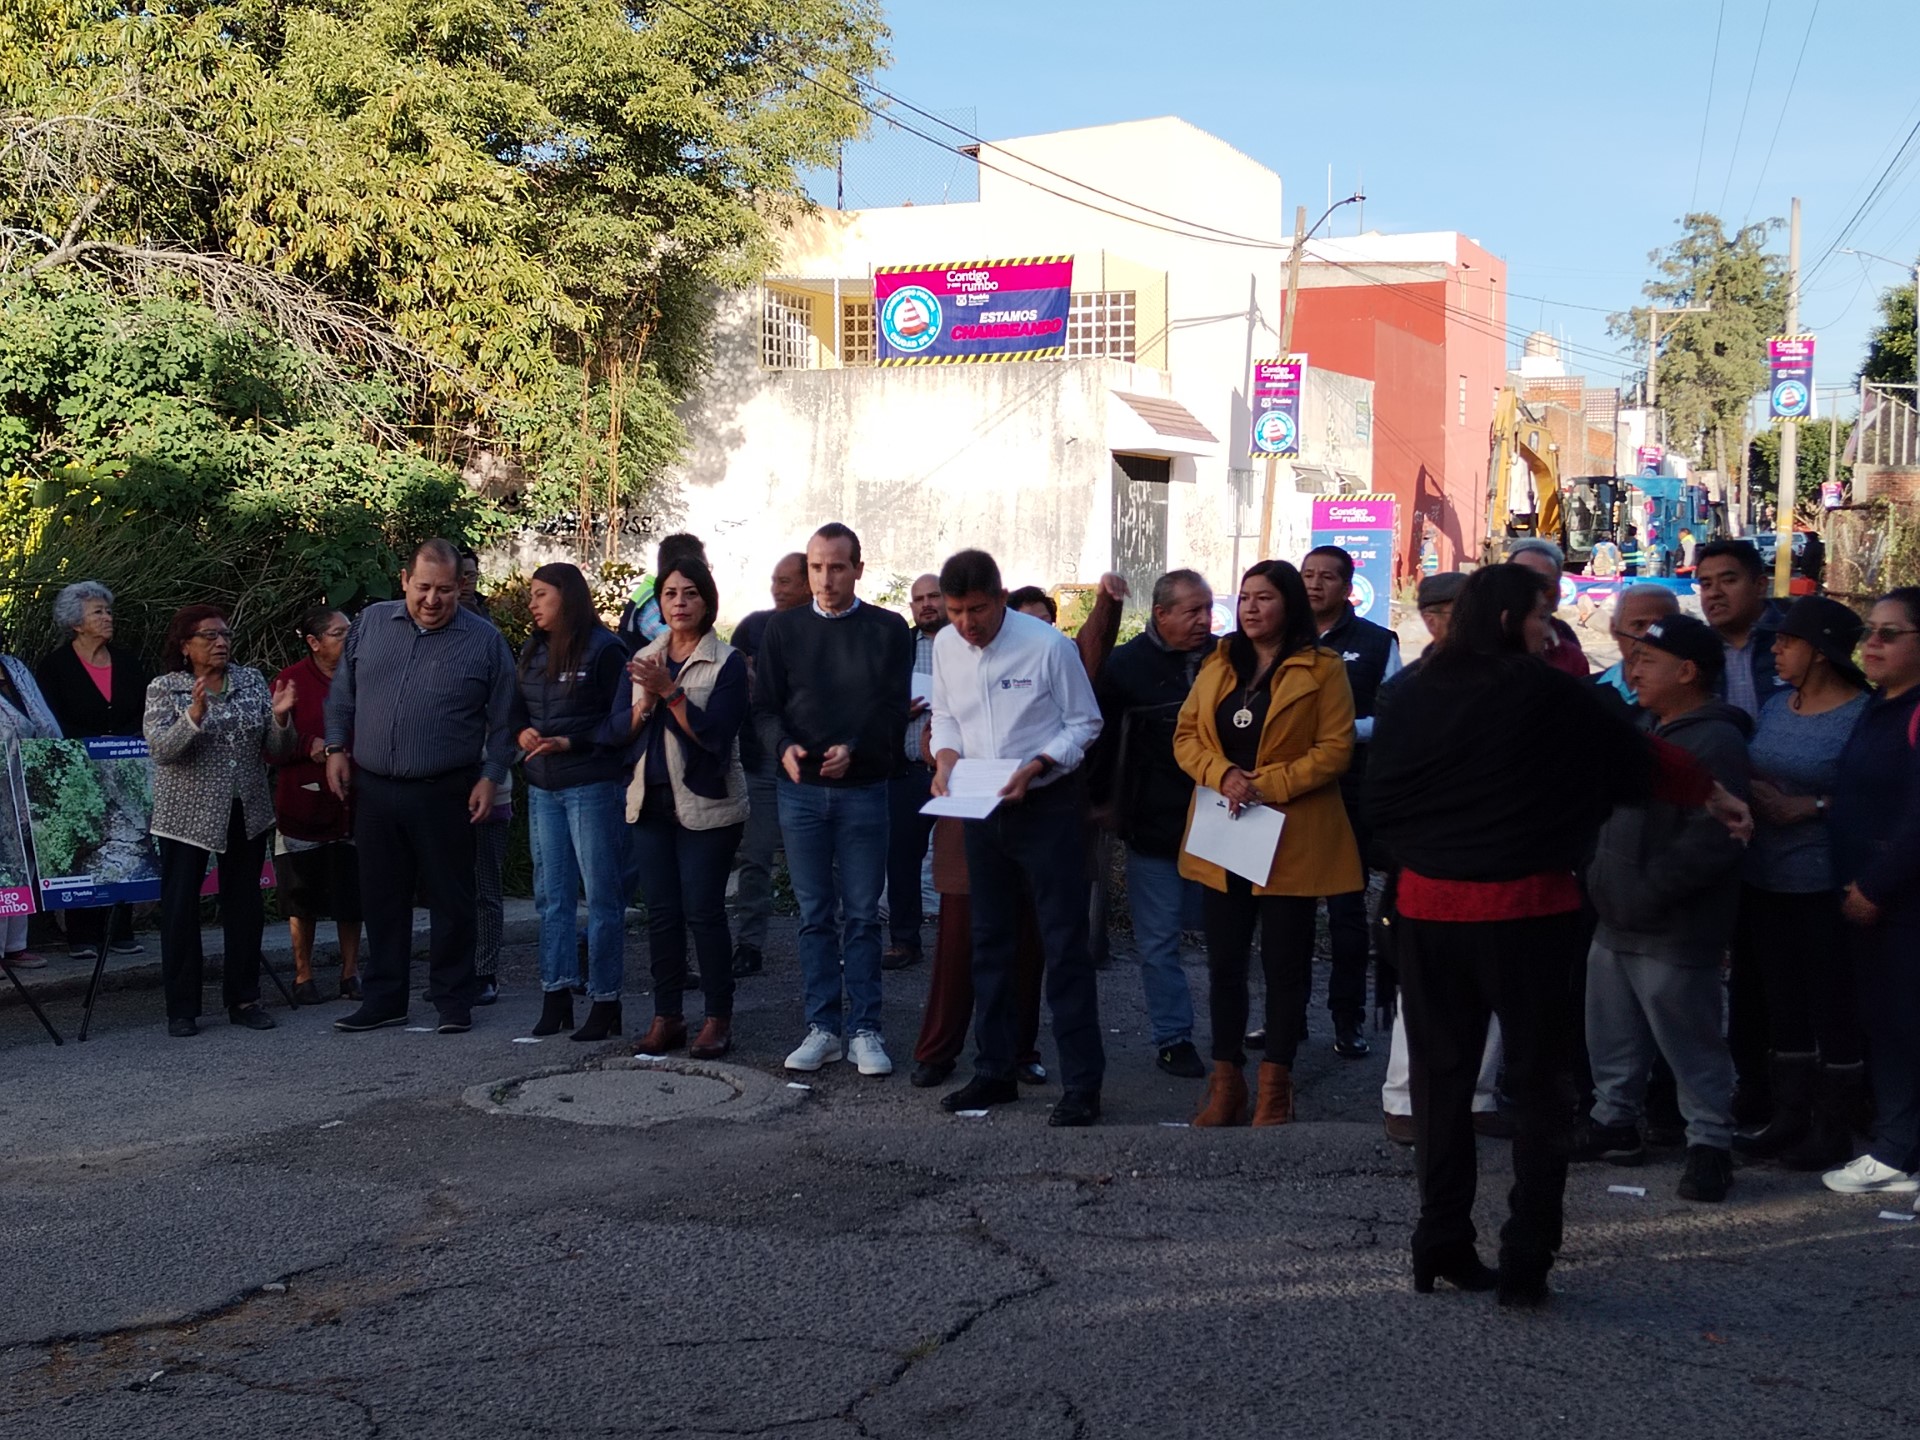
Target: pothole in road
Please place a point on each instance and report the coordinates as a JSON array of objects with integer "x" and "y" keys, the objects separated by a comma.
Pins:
[{"x": 638, "y": 1095}]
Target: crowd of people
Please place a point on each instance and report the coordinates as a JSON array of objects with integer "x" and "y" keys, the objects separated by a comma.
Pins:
[{"x": 1674, "y": 903}]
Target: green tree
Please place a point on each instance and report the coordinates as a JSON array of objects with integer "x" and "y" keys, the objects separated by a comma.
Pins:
[
  {"x": 1818, "y": 439},
  {"x": 1711, "y": 364},
  {"x": 1890, "y": 347}
]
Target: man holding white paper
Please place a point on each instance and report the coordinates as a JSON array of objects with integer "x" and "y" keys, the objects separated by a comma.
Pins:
[{"x": 1009, "y": 688}]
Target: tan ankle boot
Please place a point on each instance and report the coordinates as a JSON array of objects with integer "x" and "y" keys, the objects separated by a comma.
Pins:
[
  {"x": 1275, "y": 1106},
  {"x": 1226, "y": 1097}
]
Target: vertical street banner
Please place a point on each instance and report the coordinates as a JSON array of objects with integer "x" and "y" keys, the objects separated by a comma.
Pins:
[
  {"x": 1277, "y": 386},
  {"x": 1790, "y": 378},
  {"x": 1363, "y": 526},
  {"x": 1650, "y": 458},
  {"x": 90, "y": 805},
  {"x": 973, "y": 311}
]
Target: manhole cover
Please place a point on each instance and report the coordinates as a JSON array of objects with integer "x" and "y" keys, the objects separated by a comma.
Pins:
[{"x": 650, "y": 1093}]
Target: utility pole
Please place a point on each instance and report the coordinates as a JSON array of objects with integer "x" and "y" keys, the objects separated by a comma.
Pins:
[
  {"x": 1789, "y": 430},
  {"x": 1286, "y": 349}
]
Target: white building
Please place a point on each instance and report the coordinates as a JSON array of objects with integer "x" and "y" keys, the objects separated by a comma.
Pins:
[{"x": 1129, "y": 454}]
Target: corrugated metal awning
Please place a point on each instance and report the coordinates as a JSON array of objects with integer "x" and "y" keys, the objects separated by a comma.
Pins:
[{"x": 1167, "y": 417}]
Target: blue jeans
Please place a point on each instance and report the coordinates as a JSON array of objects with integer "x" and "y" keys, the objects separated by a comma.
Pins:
[
  {"x": 836, "y": 839},
  {"x": 1161, "y": 903},
  {"x": 580, "y": 835}
]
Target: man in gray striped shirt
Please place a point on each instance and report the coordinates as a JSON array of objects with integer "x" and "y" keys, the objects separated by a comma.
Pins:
[{"x": 423, "y": 689}]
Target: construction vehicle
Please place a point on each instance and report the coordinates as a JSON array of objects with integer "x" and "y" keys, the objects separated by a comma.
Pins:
[{"x": 1523, "y": 480}]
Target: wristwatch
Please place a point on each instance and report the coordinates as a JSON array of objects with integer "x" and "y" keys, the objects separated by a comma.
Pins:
[
  {"x": 1046, "y": 764},
  {"x": 336, "y": 750},
  {"x": 679, "y": 692}
]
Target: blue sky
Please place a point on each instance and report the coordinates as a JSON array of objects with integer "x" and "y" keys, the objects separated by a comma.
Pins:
[{"x": 1531, "y": 128}]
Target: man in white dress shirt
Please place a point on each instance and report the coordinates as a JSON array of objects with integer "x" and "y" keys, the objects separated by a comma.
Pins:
[{"x": 1009, "y": 687}]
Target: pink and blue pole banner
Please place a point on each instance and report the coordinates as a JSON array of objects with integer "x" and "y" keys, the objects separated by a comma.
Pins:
[
  {"x": 1363, "y": 526},
  {"x": 973, "y": 311},
  {"x": 1277, "y": 385},
  {"x": 1790, "y": 378}
]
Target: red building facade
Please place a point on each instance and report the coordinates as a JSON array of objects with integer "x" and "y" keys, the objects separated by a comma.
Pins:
[{"x": 1424, "y": 317}]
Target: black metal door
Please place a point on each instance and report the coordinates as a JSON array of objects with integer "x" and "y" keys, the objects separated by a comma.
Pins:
[{"x": 1140, "y": 522}]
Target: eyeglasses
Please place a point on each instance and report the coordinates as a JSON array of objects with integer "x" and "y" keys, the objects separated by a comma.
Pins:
[
  {"x": 211, "y": 635},
  {"x": 1887, "y": 634},
  {"x": 338, "y": 632}
]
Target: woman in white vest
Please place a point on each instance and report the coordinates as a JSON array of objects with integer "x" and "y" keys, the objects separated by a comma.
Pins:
[{"x": 687, "y": 803}]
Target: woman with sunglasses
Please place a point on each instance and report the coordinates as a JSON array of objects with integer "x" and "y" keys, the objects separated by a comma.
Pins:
[
  {"x": 1876, "y": 851},
  {"x": 211, "y": 728}
]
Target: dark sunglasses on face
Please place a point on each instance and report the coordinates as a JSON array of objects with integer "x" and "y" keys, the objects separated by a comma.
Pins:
[{"x": 1887, "y": 634}]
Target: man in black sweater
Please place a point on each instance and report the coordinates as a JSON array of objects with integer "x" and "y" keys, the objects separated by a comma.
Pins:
[
  {"x": 833, "y": 679},
  {"x": 1372, "y": 656}
]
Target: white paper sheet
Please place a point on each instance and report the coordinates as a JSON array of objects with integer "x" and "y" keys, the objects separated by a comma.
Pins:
[
  {"x": 923, "y": 687},
  {"x": 1244, "y": 844},
  {"x": 973, "y": 790}
]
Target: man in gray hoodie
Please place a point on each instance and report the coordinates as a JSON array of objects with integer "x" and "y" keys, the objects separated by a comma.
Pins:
[{"x": 1666, "y": 882}]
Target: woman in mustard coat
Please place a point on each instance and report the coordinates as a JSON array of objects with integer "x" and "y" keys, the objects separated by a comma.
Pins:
[{"x": 1269, "y": 721}]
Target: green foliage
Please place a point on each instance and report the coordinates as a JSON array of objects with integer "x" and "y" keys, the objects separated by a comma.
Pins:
[
  {"x": 507, "y": 605},
  {"x": 1711, "y": 364},
  {"x": 533, "y": 199},
  {"x": 1890, "y": 347},
  {"x": 1763, "y": 462},
  {"x": 176, "y": 458},
  {"x": 67, "y": 801}
]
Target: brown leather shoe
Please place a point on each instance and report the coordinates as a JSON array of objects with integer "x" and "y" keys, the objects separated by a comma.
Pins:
[
  {"x": 714, "y": 1040},
  {"x": 1226, "y": 1102},
  {"x": 1399, "y": 1128},
  {"x": 1275, "y": 1105},
  {"x": 667, "y": 1032}
]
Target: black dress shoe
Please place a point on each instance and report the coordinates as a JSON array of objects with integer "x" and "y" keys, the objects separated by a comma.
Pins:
[
  {"x": 252, "y": 1017},
  {"x": 455, "y": 1022},
  {"x": 929, "y": 1073},
  {"x": 1031, "y": 1073},
  {"x": 1350, "y": 1039},
  {"x": 489, "y": 990},
  {"x": 899, "y": 957},
  {"x": 306, "y": 993},
  {"x": 182, "y": 1027},
  {"x": 1464, "y": 1271},
  {"x": 747, "y": 960},
  {"x": 1076, "y": 1107},
  {"x": 350, "y": 988},
  {"x": 365, "y": 1019},
  {"x": 980, "y": 1092},
  {"x": 1180, "y": 1058}
]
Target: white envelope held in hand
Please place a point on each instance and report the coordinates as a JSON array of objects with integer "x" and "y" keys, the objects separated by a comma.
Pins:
[{"x": 1244, "y": 844}]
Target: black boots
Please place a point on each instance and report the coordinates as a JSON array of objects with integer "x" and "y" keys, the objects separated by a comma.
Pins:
[
  {"x": 1828, "y": 1142},
  {"x": 602, "y": 1020},
  {"x": 1792, "y": 1085},
  {"x": 556, "y": 1013}
]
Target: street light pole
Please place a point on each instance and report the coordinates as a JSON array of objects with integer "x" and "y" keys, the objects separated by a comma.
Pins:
[
  {"x": 1302, "y": 232},
  {"x": 1889, "y": 260}
]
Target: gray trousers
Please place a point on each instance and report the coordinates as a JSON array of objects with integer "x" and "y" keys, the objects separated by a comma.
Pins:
[
  {"x": 753, "y": 894},
  {"x": 1637, "y": 1006}
]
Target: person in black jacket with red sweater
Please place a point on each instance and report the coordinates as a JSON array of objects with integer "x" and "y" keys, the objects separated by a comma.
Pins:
[
  {"x": 94, "y": 688},
  {"x": 834, "y": 678},
  {"x": 1457, "y": 793}
]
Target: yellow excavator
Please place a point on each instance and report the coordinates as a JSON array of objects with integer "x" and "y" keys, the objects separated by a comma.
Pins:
[{"x": 1523, "y": 480}]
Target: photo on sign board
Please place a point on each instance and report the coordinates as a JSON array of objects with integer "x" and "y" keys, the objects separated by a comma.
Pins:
[{"x": 90, "y": 806}]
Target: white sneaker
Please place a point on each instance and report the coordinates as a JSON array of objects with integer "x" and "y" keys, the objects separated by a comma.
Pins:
[
  {"x": 821, "y": 1047},
  {"x": 1867, "y": 1176},
  {"x": 869, "y": 1055}
]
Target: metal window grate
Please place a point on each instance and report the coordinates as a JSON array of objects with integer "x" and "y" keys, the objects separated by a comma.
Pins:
[
  {"x": 857, "y": 344},
  {"x": 786, "y": 325},
  {"x": 1102, "y": 323}
]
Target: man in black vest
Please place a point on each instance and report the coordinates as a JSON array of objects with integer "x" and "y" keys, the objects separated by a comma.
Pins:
[{"x": 1372, "y": 654}]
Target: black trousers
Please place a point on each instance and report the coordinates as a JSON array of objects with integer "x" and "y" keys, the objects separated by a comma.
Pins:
[
  {"x": 1036, "y": 848},
  {"x": 183, "y": 869},
  {"x": 1286, "y": 955},
  {"x": 1747, "y": 1024},
  {"x": 1806, "y": 974},
  {"x": 908, "y": 832},
  {"x": 1887, "y": 971},
  {"x": 1348, "y": 934},
  {"x": 415, "y": 833},
  {"x": 1452, "y": 977}
]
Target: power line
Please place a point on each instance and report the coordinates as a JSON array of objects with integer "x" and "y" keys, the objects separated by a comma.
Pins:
[
  {"x": 1741, "y": 129},
  {"x": 1707, "y": 114},
  {"x": 1873, "y": 195},
  {"x": 1780, "y": 118}
]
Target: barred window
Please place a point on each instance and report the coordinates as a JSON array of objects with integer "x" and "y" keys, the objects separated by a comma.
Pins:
[
  {"x": 1101, "y": 323},
  {"x": 856, "y": 332},
  {"x": 785, "y": 329}
]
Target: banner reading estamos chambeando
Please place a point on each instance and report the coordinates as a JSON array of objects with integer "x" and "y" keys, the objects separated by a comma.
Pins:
[{"x": 973, "y": 311}]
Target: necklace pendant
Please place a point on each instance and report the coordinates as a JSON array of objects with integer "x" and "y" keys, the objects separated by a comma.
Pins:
[{"x": 1242, "y": 718}]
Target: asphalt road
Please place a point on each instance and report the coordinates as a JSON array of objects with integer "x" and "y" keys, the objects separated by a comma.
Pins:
[{"x": 305, "y": 1233}]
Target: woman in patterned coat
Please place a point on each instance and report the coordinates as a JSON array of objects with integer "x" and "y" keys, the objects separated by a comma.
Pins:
[{"x": 211, "y": 728}]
